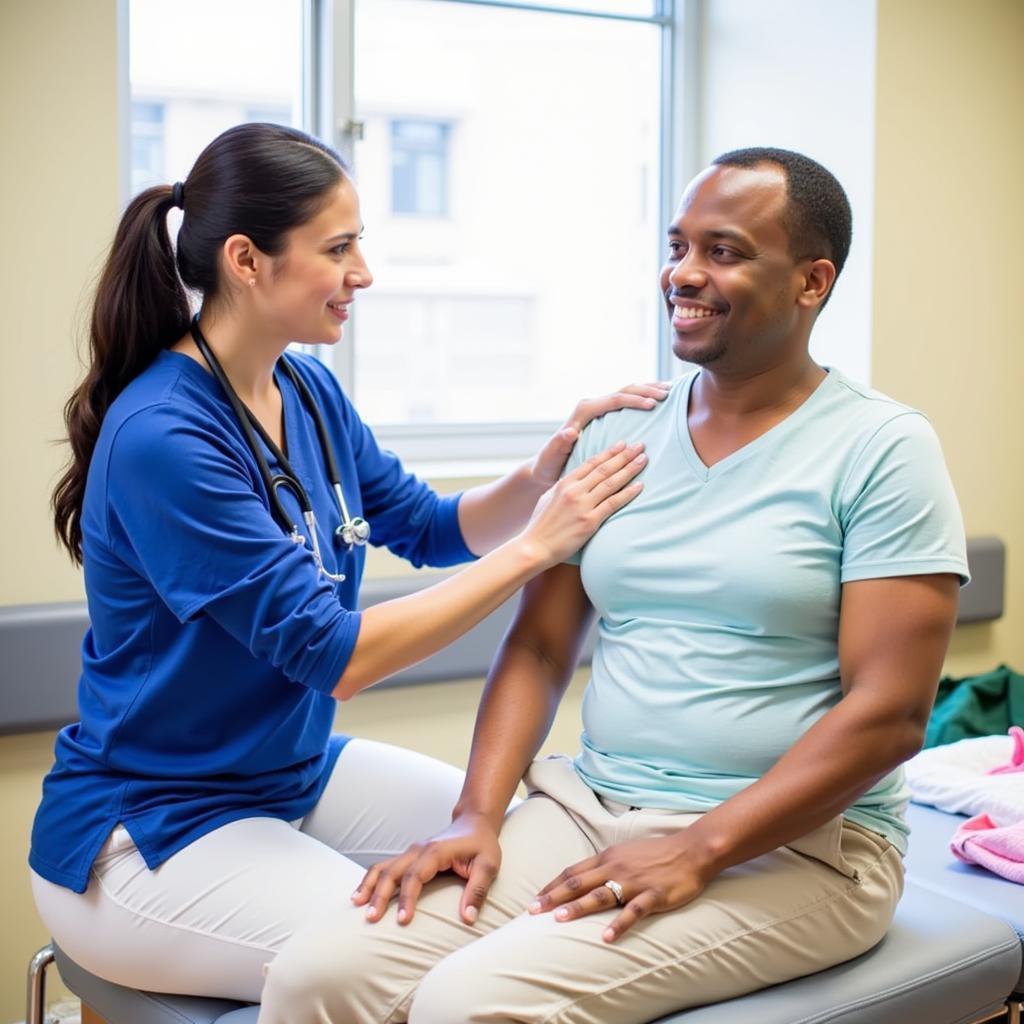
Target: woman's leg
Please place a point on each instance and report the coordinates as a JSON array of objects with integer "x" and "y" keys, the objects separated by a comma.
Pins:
[
  {"x": 208, "y": 920},
  {"x": 380, "y": 799}
]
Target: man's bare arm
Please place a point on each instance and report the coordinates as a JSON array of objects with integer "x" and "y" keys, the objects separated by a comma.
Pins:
[{"x": 526, "y": 683}]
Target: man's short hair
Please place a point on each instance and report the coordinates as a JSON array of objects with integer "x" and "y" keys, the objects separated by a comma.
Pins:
[{"x": 817, "y": 215}]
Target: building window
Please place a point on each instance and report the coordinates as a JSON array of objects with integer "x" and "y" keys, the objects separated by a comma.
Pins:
[
  {"x": 516, "y": 252},
  {"x": 188, "y": 84},
  {"x": 517, "y": 165},
  {"x": 147, "y": 132},
  {"x": 419, "y": 167}
]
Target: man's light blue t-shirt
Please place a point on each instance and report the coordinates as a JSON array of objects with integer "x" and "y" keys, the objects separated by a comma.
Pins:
[{"x": 718, "y": 590}]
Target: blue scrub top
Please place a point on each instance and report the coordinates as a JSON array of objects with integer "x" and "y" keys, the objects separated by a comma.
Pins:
[{"x": 215, "y": 642}]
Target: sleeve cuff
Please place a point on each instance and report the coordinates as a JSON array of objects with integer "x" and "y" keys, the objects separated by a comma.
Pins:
[
  {"x": 451, "y": 547},
  {"x": 338, "y": 650},
  {"x": 905, "y": 567}
]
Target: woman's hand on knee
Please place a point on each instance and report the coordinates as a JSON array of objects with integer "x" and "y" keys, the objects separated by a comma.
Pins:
[{"x": 468, "y": 847}]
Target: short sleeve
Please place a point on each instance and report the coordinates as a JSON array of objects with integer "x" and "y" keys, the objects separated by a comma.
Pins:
[
  {"x": 183, "y": 510},
  {"x": 900, "y": 515}
]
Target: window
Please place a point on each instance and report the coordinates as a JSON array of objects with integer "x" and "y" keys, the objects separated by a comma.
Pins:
[
  {"x": 147, "y": 144},
  {"x": 419, "y": 167},
  {"x": 507, "y": 285},
  {"x": 516, "y": 257},
  {"x": 436, "y": 340},
  {"x": 191, "y": 70},
  {"x": 517, "y": 164}
]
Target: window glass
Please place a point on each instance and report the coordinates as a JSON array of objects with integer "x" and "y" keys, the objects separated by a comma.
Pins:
[
  {"x": 147, "y": 134},
  {"x": 419, "y": 167},
  {"x": 530, "y": 141},
  {"x": 206, "y": 65}
]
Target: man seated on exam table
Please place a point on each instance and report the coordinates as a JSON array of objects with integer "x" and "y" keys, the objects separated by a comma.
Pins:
[{"x": 774, "y": 609}]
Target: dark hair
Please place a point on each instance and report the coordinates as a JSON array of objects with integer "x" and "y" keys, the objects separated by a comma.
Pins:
[
  {"x": 817, "y": 217},
  {"x": 258, "y": 180}
]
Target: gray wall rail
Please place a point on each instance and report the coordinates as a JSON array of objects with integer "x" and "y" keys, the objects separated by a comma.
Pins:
[{"x": 39, "y": 644}]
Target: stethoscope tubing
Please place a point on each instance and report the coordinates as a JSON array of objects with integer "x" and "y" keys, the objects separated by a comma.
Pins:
[{"x": 352, "y": 531}]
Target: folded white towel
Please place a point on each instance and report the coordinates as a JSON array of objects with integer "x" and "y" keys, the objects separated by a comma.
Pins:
[{"x": 953, "y": 778}]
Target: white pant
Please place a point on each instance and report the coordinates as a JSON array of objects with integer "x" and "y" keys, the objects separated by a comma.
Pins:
[{"x": 208, "y": 920}]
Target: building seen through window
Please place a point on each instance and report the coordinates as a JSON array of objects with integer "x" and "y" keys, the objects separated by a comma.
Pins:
[
  {"x": 509, "y": 181},
  {"x": 188, "y": 85},
  {"x": 419, "y": 167}
]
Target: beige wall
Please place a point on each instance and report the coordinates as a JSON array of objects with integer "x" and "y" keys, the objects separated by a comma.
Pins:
[
  {"x": 58, "y": 200},
  {"x": 948, "y": 217}
]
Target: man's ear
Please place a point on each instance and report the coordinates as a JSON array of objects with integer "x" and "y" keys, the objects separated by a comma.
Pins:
[{"x": 818, "y": 279}]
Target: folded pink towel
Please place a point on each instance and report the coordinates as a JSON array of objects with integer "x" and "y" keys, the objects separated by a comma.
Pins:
[
  {"x": 979, "y": 840},
  {"x": 1016, "y": 762}
]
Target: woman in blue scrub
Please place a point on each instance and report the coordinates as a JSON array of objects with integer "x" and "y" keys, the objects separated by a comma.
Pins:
[{"x": 201, "y": 813}]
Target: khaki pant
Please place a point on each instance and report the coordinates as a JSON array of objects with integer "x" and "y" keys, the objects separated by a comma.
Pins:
[{"x": 817, "y": 902}]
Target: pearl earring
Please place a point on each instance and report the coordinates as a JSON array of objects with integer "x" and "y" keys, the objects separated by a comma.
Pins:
[{"x": 252, "y": 282}]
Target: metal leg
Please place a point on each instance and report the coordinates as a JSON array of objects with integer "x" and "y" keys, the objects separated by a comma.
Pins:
[
  {"x": 1016, "y": 1008},
  {"x": 36, "y": 1004}
]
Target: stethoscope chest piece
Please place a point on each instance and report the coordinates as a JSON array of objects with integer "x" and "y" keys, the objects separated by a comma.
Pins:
[{"x": 353, "y": 532}]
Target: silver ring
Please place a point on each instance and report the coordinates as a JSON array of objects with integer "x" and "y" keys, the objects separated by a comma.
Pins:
[{"x": 620, "y": 896}]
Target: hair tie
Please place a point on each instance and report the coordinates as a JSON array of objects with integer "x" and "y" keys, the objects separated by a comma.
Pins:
[{"x": 178, "y": 195}]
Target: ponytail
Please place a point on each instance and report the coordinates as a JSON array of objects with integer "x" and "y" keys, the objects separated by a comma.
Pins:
[{"x": 141, "y": 307}]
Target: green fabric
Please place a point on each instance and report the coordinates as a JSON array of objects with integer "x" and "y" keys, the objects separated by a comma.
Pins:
[{"x": 985, "y": 705}]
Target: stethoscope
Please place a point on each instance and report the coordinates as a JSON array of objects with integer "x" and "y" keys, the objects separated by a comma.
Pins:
[{"x": 352, "y": 531}]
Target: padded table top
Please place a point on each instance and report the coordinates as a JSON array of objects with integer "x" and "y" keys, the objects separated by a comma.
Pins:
[
  {"x": 941, "y": 961},
  {"x": 931, "y": 865}
]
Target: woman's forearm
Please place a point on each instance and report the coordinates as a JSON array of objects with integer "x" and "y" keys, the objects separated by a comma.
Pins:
[
  {"x": 491, "y": 513},
  {"x": 396, "y": 634}
]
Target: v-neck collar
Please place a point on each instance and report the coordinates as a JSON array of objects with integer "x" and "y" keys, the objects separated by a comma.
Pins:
[{"x": 706, "y": 473}]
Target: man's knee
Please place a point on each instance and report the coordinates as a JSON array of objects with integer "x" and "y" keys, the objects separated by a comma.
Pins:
[
  {"x": 340, "y": 971},
  {"x": 317, "y": 978},
  {"x": 450, "y": 993},
  {"x": 298, "y": 987}
]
